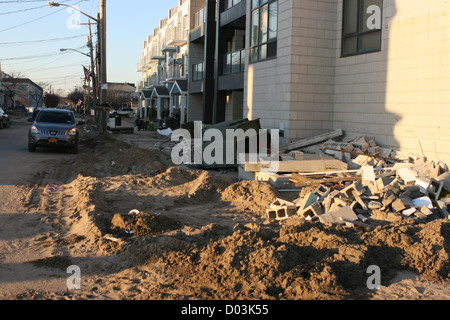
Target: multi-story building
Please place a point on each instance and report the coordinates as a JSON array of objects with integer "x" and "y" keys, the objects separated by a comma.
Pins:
[{"x": 370, "y": 67}]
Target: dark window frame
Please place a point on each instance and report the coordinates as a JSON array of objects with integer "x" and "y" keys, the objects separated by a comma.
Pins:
[
  {"x": 358, "y": 34},
  {"x": 271, "y": 44}
]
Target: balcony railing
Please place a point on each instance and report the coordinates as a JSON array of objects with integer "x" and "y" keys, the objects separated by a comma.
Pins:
[
  {"x": 198, "y": 71},
  {"x": 234, "y": 62},
  {"x": 200, "y": 17},
  {"x": 230, "y": 3}
]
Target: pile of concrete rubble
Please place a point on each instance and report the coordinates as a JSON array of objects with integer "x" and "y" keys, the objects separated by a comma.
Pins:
[{"x": 373, "y": 186}]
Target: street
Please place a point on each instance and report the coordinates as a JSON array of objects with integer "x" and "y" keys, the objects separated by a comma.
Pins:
[{"x": 17, "y": 163}]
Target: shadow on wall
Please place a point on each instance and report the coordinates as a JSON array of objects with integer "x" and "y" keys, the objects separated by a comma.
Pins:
[{"x": 361, "y": 76}]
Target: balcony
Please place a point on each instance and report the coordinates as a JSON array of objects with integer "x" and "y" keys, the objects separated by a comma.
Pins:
[
  {"x": 234, "y": 14},
  {"x": 234, "y": 62}
]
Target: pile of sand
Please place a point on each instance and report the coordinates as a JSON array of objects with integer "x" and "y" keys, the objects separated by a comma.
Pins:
[
  {"x": 185, "y": 225},
  {"x": 253, "y": 196}
]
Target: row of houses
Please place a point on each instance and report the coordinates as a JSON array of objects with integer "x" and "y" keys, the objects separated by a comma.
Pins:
[{"x": 379, "y": 68}]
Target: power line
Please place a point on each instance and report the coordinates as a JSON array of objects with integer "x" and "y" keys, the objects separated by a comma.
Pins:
[
  {"x": 34, "y": 20},
  {"x": 43, "y": 55},
  {"x": 22, "y": 10},
  {"x": 31, "y": 42}
]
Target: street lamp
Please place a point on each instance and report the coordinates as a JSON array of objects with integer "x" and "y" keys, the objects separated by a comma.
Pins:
[
  {"x": 101, "y": 61},
  {"x": 64, "y": 49},
  {"x": 54, "y": 4}
]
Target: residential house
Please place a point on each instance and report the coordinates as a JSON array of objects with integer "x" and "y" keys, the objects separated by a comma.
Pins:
[{"x": 20, "y": 92}]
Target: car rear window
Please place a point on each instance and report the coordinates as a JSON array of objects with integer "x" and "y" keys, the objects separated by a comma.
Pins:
[{"x": 55, "y": 117}]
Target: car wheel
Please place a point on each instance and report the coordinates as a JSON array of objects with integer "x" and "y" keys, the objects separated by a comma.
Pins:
[{"x": 31, "y": 148}]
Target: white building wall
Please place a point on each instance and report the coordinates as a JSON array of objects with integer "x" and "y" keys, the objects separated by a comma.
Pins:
[
  {"x": 267, "y": 84},
  {"x": 401, "y": 95}
]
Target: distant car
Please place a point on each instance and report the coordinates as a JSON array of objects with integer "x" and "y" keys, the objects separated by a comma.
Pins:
[
  {"x": 5, "y": 122},
  {"x": 32, "y": 115},
  {"x": 54, "y": 128},
  {"x": 125, "y": 112}
]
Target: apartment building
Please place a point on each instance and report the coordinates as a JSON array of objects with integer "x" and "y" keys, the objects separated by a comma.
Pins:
[{"x": 379, "y": 68}]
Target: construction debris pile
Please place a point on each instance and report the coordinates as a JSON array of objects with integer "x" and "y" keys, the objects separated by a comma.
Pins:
[{"x": 354, "y": 182}]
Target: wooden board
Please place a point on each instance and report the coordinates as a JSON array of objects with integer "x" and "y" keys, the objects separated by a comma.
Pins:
[
  {"x": 299, "y": 166},
  {"x": 310, "y": 141}
]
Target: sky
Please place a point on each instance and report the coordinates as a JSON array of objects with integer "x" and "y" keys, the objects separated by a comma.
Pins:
[{"x": 32, "y": 34}]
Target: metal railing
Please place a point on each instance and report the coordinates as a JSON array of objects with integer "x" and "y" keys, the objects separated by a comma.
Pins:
[{"x": 234, "y": 62}]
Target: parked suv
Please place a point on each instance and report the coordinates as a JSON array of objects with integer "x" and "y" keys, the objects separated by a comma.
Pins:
[
  {"x": 5, "y": 122},
  {"x": 54, "y": 128}
]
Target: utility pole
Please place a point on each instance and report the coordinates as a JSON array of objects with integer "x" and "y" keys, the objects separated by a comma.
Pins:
[
  {"x": 102, "y": 79},
  {"x": 94, "y": 77}
]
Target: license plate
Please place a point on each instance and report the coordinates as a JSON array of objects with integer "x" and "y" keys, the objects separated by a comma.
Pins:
[{"x": 52, "y": 140}]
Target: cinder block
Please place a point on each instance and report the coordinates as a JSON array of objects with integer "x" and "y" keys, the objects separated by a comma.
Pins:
[
  {"x": 308, "y": 200},
  {"x": 314, "y": 210},
  {"x": 322, "y": 192},
  {"x": 435, "y": 188},
  {"x": 280, "y": 213}
]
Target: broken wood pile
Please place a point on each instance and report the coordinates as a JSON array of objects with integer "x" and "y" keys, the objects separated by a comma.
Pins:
[{"x": 364, "y": 183}]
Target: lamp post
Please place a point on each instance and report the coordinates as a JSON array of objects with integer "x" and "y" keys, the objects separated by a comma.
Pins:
[
  {"x": 101, "y": 61},
  {"x": 94, "y": 78}
]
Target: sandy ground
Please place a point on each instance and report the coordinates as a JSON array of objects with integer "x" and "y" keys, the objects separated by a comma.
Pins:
[{"x": 194, "y": 234}]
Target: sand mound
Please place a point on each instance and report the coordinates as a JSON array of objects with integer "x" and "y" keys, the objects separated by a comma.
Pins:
[
  {"x": 306, "y": 260},
  {"x": 173, "y": 177},
  {"x": 254, "y": 196},
  {"x": 141, "y": 225}
]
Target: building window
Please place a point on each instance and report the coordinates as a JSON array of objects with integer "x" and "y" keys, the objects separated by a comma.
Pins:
[
  {"x": 361, "y": 26},
  {"x": 264, "y": 30},
  {"x": 198, "y": 71}
]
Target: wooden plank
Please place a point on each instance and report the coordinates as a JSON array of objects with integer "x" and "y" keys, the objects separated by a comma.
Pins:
[
  {"x": 310, "y": 141},
  {"x": 317, "y": 182},
  {"x": 299, "y": 166}
]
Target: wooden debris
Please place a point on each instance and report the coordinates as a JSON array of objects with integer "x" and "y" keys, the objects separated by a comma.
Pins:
[{"x": 314, "y": 140}]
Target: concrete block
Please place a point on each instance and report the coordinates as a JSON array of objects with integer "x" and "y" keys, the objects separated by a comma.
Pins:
[
  {"x": 373, "y": 150},
  {"x": 445, "y": 178},
  {"x": 443, "y": 209},
  {"x": 336, "y": 215},
  {"x": 423, "y": 184},
  {"x": 280, "y": 213},
  {"x": 314, "y": 210},
  {"x": 398, "y": 205},
  {"x": 289, "y": 207},
  {"x": 374, "y": 205},
  {"x": 423, "y": 201},
  {"x": 322, "y": 192},
  {"x": 435, "y": 188},
  {"x": 389, "y": 200},
  {"x": 426, "y": 211},
  {"x": 409, "y": 212},
  {"x": 308, "y": 200},
  {"x": 406, "y": 175},
  {"x": 277, "y": 180},
  {"x": 368, "y": 175}
]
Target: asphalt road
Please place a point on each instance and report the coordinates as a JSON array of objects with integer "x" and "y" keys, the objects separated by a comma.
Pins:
[{"x": 16, "y": 163}]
